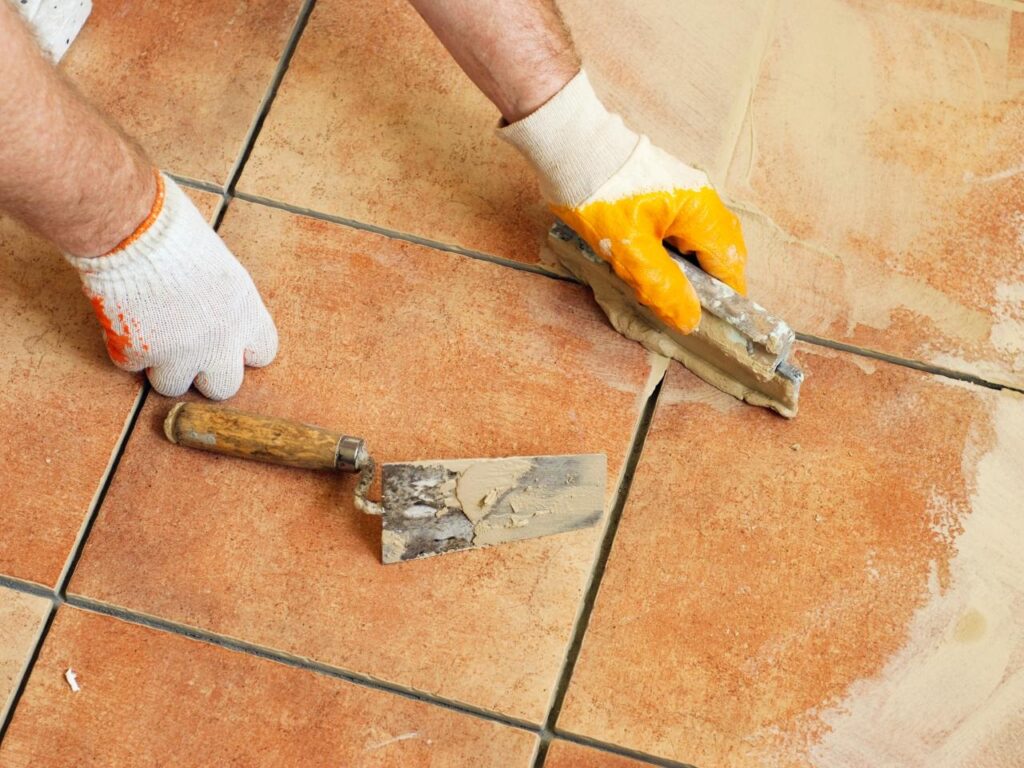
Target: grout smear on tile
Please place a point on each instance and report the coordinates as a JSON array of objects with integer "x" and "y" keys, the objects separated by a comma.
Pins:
[
  {"x": 956, "y": 688},
  {"x": 658, "y": 366},
  {"x": 1007, "y": 320}
]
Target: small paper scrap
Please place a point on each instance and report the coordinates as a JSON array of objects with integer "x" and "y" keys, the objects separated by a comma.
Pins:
[{"x": 72, "y": 680}]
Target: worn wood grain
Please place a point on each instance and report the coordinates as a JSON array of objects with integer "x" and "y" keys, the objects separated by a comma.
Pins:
[{"x": 249, "y": 436}]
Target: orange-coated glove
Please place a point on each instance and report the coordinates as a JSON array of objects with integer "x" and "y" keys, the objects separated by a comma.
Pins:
[{"x": 625, "y": 196}]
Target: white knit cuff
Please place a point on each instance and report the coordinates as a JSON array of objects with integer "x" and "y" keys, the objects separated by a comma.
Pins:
[
  {"x": 573, "y": 142},
  {"x": 149, "y": 246}
]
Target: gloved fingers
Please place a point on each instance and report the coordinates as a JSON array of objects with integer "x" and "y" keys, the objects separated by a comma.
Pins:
[
  {"x": 222, "y": 379},
  {"x": 262, "y": 349},
  {"x": 169, "y": 380},
  {"x": 657, "y": 280},
  {"x": 705, "y": 226}
]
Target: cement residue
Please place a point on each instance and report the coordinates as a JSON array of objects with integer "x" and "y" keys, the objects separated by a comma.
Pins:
[
  {"x": 480, "y": 486},
  {"x": 702, "y": 353},
  {"x": 958, "y": 682},
  {"x": 433, "y": 507}
]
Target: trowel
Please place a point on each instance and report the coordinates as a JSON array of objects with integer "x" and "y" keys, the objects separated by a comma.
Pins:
[
  {"x": 738, "y": 346},
  {"x": 427, "y": 507}
]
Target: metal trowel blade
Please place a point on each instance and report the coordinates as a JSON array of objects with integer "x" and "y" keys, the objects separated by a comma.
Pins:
[{"x": 434, "y": 507}]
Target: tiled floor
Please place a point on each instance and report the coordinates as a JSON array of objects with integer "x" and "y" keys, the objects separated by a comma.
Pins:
[
  {"x": 905, "y": 174},
  {"x": 146, "y": 692},
  {"x": 21, "y": 619},
  {"x": 804, "y": 577},
  {"x": 840, "y": 590}
]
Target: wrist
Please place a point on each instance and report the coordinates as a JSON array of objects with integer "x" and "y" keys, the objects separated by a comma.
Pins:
[
  {"x": 138, "y": 206},
  {"x": 520, "y": 100},
  {"x": 573, "y": 142},
  {"x": 146, "y": 247}
]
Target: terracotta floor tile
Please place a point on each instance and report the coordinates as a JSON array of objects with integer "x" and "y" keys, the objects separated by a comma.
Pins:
[
  {"x": 839, "y": 590},
  {"x": 425, "y": 354},
  {"x": 894, "y": 150},
  {"x": 148, "y": 696},
  {"x": 21, "y": 619},
  {"x": 206, "y": 202},
  {"x": 63, "y": 404},
  {"x": 375, "y": 121},
  {"x": 565, "y": 754},
  {"x": 183, "y": 77}
]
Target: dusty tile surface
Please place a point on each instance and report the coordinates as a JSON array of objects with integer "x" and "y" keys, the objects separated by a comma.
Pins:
[
  {"x": 894, "y": 151},
  {"x": 64, "y": 404},
  {"x": 21, "y": 619},
  {"x": 185, "y": 78},
  {"x": 842, "y": 589},
  {"x": 681, "y": 73},
  {"x": 146, "y": 695},
  {"x": 424, "y": 354},
  {"x": 565, "y": 754},
  {"x": 376, "y": 122}
]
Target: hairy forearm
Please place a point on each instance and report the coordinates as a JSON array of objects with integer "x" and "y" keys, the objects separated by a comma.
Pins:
[
  {"x": 64, "y": 170},
  {"x": 518, "y": 52}
]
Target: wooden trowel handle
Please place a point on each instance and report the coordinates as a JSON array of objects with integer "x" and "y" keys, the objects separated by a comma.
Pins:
[{"x": 278, "y": 441}]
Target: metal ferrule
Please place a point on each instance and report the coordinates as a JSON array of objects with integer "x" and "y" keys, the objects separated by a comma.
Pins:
[{"x": 351, "y": 454}]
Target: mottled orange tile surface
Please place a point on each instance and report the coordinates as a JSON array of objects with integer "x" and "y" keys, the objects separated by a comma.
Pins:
[
  {"x": 64, "y": 403},
  {"x": 62, "y": 406},
  {"x": 841, "y": 589},
  {"x": 21, "y": 619},
  {"x": 887, "y": 137},
  {"x": 565, "y": 754},
  {"x": 376, "y": 122},
  {"x": 424, "y": 354},
  {"x": 148, "y": 697},
  {"x": 206, "y": 202},
  {"x": 183, "y": 77}
]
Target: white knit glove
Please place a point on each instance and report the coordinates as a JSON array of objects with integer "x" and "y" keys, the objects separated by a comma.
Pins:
[
  {"x": 173, "y": 300},
  {"x": 625, "y": 196},
  {"x": 56, "y": 23}
]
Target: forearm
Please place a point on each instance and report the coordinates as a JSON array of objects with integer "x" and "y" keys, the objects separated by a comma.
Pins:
[
  {"x": 518, "y": 52},
  {"x": 64, "y": 170}
]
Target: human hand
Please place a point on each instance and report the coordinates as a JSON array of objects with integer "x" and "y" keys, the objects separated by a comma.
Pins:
[
  {"x": 625, "y": 196},
  {"x": 173, "y": 301}
]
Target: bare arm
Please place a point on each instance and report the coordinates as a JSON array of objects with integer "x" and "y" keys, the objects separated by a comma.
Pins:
[
  {"x": 64, "y": 170},
  {"x": 518, "y": 52}
]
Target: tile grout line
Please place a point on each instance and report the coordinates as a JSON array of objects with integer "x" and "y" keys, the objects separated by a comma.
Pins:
[
  {"x": 269, "y": 95},
  {"x": 59, "y": 597},
  {"x": 101, "y": 488},
  {"x": 538, "y": 270},
  {"x": 586, "y": 608},
  {"x": 917, "y": 365},
  {"x": 57, "y": 594},
  {"x": 407, "y": 237},
  {"x": 15, "y": 584},
  {"x": 615, "y": 749},
  {"x": 199, "y": 184},
  {"x": 269, "y": 654},
  {"x": 76, "y": 552},
  {"x": 15, "y": 699},
  {"x": 256, "y": 650}
]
